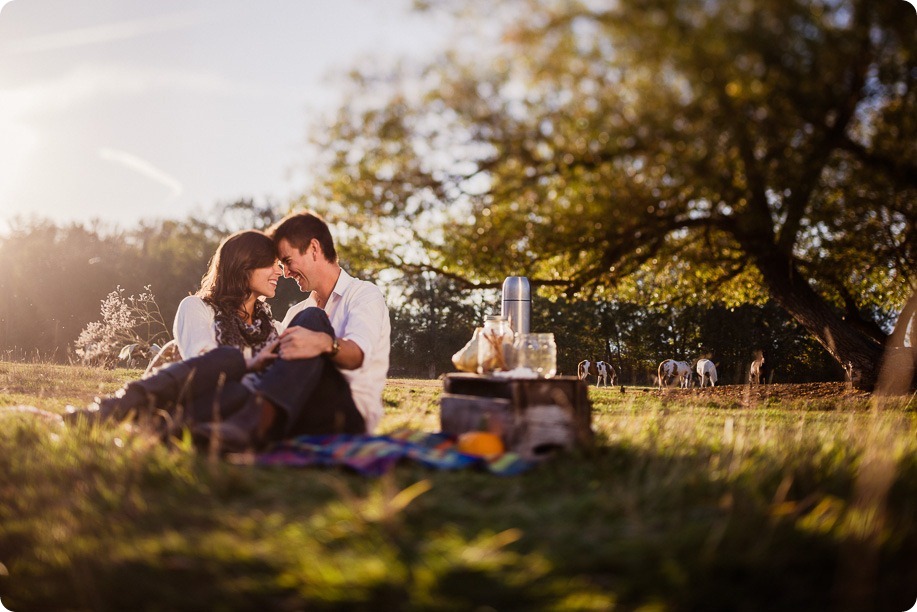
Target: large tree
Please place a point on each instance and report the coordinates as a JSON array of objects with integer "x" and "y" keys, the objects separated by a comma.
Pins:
[{"x": 671, "y": 149}]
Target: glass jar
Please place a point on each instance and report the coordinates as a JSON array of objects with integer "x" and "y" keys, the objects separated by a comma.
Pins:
[
  {"x": 494, "y": 345},
  {"x": 538, "y": 353}
]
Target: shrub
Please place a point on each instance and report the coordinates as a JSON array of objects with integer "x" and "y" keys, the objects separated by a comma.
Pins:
[{"x": 128, "y": 331}]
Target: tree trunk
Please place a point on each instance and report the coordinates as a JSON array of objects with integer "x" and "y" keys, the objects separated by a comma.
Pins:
[
  {"x": 900, "y": 363},
  {"x": 859, "y": 354}
]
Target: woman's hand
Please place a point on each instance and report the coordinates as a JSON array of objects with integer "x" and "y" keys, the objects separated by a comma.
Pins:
[{"x": 264, "y": 357}]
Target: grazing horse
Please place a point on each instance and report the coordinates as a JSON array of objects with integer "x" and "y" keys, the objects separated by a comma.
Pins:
[
  {"x": 757, "y": 373},
  {"x": 584, "y": 370},
  {"x": 706, "y": 371},
  {"x": 671, "y": 369},
  {"x": 602, "y": 371}
]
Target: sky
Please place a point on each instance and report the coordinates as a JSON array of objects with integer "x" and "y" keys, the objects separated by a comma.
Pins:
[{"x": 121, "y": 110}]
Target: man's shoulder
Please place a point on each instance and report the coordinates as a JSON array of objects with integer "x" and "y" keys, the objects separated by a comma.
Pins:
[
  {"x": 364, "y": 294},
  {"x": 359, "y": 287},
  {"x": 368, "y": 286}
]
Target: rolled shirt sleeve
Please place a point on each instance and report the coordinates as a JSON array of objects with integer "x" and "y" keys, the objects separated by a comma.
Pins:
[{"x": 364, "y": 324}]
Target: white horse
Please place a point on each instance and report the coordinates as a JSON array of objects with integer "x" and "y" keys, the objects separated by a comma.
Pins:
[{"x": 706, "y": 371}]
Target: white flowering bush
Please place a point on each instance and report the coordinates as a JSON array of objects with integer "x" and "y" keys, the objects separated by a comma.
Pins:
[{"x": 127, "y": 333}]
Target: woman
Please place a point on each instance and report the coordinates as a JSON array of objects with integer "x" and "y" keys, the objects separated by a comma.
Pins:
[
  {"x": 227, "y": 319},
  {"x": 229, "y": 309}
]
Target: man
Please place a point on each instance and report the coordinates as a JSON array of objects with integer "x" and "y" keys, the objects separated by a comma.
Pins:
[{"x": 334, "y": 349}]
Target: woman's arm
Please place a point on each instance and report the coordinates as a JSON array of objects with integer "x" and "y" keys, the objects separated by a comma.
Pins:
[
  {"x": 193, "y": 327},
  {"x": 263, "y": 358}
]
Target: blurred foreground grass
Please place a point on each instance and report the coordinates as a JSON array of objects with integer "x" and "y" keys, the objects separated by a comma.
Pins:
[{"x": 682, "y": 505}]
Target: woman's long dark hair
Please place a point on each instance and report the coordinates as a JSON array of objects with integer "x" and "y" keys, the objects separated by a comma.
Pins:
[{"x": 225, "y": 285}]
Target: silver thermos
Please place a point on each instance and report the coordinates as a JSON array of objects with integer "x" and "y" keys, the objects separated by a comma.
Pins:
[{"x": 517, "y": 303}]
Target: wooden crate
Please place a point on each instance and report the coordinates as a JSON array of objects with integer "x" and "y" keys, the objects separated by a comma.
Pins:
[{"x": 528, "y": 413}]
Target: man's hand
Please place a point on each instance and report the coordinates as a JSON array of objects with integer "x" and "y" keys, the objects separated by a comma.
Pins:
[
  {"x": 302, "y": 343},
  {"x": 263, "y": 358}
]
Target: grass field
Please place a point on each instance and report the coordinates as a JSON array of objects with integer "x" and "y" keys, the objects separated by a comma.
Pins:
[{"x": 778, "y": 500}]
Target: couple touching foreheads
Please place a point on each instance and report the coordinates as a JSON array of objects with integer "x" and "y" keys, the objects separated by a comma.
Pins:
[{"x": 245, "y": 379}]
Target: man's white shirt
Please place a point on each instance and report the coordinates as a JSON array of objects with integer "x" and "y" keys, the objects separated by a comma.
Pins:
[{"x": 358, "y": 313}]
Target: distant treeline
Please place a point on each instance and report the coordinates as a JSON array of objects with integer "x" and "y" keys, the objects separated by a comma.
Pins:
[{"x": 54, "y": 278}]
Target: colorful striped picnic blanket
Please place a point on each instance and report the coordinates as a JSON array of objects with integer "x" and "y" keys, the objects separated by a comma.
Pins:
[{"x": 375, "y": 455}]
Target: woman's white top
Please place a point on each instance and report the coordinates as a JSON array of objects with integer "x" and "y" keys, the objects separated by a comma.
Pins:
[{"x": 194, "y": 328}]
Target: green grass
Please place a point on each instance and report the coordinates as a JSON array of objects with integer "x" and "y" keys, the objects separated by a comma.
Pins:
[{"x": 689, "y": 504}]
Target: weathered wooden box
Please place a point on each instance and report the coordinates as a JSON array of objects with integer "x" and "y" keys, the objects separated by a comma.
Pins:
[{"x": 533, "y": 416}]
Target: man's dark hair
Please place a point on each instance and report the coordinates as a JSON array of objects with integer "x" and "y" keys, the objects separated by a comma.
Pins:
[{"x": 300, "y": 228}]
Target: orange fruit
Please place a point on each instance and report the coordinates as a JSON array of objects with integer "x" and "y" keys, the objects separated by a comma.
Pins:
[{"x": 480, "y": 444}]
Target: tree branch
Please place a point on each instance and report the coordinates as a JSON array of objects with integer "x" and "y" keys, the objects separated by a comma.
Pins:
[
  {"x": 899, "y": 170},
  {"x": 834, "y": 135}
]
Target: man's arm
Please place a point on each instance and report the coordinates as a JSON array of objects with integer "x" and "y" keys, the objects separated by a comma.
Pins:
[
  {"x": 366, "y": 312},
  {"x": 301, "y": 343}
]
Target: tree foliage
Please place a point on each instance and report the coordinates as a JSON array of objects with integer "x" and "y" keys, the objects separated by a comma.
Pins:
[
  {"x": 683, "y": 151},
  {"x": 432, "y": 318}
]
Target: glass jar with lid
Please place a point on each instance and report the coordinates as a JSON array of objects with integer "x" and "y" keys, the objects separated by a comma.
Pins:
[
  {"x": 538, "y": 353},
  {"x": 494, "y": 345}
]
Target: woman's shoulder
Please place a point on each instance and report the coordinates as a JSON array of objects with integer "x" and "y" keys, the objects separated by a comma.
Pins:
[
  {"x": 193, "y": 327},
  {"x": 194, "y": 304}
]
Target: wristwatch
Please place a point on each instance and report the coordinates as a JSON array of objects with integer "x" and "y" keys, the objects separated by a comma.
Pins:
[{"x": 335, "y": 347}]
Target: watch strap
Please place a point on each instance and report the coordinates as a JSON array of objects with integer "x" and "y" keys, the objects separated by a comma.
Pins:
[{"x": 335, "y": 347}]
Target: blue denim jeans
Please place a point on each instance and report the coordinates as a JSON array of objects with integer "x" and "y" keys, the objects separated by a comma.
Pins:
[
  {"x": 204, "y": 388},
  {"x": 312, "y": 395}
]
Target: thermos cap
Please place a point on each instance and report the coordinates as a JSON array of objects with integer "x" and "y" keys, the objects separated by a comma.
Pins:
[{"x": 516, "y": 288}]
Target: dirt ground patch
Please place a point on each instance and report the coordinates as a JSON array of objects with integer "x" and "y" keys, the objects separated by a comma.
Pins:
[
  {"x": 414, "y": 383},
  {"x": 762, "y": 393},
  {"x": 797, "y": 391},
  {"x": 821, "y": 393}
]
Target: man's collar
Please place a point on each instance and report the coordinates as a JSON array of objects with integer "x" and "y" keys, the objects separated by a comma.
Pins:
[{"x": 344, "y": 281}]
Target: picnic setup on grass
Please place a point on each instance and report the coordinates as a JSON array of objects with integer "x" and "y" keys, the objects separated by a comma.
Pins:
[
  {"x": 507, "y": 384},
  {"x": 505, "y": 410}
]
